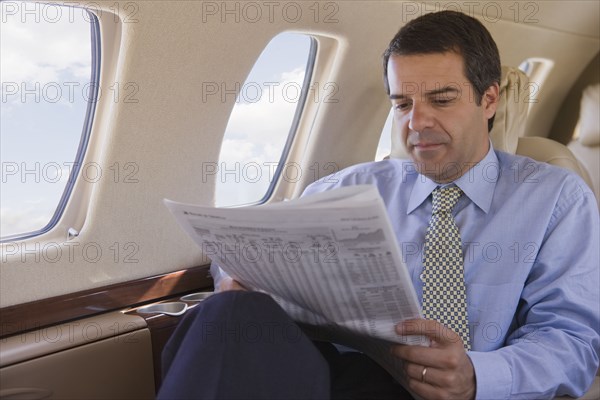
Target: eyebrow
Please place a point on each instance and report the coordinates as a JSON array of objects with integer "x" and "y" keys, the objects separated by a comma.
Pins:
[{"x": 444, "y": 90}]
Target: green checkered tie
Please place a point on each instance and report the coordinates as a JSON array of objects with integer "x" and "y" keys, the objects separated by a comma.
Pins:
[{"x": 444, "y": 295}]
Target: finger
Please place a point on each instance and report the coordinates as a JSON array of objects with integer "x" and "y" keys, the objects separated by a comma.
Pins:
[
  {"x": 424, "y": 356},
  {"x": 230, "y": 284},
  {"x": 415, "y": 372},
  {"x": 438, "y": 333},
  {"x": 423, "y": 381},
  {"x": 426, "y": 390}
]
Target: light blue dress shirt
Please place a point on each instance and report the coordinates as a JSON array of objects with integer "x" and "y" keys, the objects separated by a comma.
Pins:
[{"x": 530, "y": 234}]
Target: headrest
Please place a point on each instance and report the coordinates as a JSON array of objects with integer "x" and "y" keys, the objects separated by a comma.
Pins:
[
  {"x": 589, "y": 117},
  {"x": 511, "y": 114}
]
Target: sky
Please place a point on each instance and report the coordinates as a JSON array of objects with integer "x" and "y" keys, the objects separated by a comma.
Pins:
[
  {"x": 260, "y": 121},
  {"x": 45, "y": 70},
  {"x": 258, "y": 128},
  {"x": 44, "y": 66}
]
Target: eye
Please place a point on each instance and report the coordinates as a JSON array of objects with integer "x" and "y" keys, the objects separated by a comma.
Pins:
[
  {"x": 442, "y": 101},
  {"x": 402, "y": 106}
]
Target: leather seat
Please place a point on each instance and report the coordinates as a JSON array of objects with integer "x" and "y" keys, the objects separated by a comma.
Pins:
[{"x": 586, "y": 146}]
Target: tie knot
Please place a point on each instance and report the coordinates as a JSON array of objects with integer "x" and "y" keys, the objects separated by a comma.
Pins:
[{"x": 445, "y": 198}]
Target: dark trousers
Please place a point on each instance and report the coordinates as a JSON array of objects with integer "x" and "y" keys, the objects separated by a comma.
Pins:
[{"x": 242, "y": 345}]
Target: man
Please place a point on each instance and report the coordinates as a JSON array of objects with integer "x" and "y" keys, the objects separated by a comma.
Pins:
[{"x": 526, "y": 286}]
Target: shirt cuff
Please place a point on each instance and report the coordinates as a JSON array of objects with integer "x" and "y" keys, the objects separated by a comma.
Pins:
[
  {"x": 493, "y": 377},
  {"x": 217, "y": 274}
]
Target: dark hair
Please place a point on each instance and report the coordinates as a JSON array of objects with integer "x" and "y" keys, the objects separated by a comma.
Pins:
[{"x": 446, "y": 31}]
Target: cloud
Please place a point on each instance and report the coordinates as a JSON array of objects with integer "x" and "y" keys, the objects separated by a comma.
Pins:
[
  {"x": 30, "y": 199},
  {"x": 23, "y": 220},
  {"x": 255, "y": 136},
  {"x": 268, "y": 119},
  {"x": 39, "y": 46},
  {"x": 235, "y": 150},
  {"x": 244, "y": 171}
]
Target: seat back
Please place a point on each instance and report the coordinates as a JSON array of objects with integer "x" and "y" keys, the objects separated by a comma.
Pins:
[
  {"x": 509, "y": 128},
  {"x": 587, "y": 145}
]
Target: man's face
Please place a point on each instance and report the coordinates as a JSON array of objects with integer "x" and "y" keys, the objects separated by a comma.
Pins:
[{"x": 441, "y": 125}]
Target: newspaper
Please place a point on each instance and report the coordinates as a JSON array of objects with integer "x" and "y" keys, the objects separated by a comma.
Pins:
[{"x": 331, "y": 260}]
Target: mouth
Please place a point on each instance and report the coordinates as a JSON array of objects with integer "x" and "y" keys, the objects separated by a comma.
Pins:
[{"x": 426, "y": 146}]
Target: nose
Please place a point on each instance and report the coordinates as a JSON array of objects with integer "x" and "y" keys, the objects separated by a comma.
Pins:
[{"x": 420, "y": 117}]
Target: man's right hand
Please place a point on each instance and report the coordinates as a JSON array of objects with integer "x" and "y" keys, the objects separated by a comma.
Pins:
[{"x": 230, "y": 284}]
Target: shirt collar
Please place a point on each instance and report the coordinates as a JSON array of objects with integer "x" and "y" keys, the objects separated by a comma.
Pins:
[{"x": 478, "y": 184}]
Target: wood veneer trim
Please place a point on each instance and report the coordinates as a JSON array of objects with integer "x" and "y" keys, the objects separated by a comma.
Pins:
[{"x": 40, "y": 313}]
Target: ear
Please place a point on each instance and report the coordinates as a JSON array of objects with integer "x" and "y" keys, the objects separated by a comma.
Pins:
[{"x": 490, "y": 99}]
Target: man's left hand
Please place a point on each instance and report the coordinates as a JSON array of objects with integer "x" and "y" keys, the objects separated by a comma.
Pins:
[{"x": 449, "y": 373}]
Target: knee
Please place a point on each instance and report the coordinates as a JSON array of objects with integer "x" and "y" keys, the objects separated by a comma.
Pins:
[
  {"x": 237, "y": 305},
  {"x": 236, "y": 299}
]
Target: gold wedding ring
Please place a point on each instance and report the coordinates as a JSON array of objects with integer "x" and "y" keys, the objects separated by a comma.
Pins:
[{"x": 423, "y": 374}]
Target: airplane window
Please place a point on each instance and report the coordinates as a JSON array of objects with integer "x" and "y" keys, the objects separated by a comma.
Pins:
[
  {"x": 537, "y": 69},
  {"x": 263, "y": 122},
  {"x": 385, "y": 141},
  {"x": 48, "y": 71},
  {"x": 535, "y": 66}
]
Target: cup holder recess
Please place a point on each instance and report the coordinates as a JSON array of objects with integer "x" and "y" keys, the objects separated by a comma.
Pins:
[
  {"x": 196, "y": 297},
  {"x": 174, "y": 308}
]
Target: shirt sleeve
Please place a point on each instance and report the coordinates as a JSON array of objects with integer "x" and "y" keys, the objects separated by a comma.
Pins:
[{"x": 554, "y": 345}]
